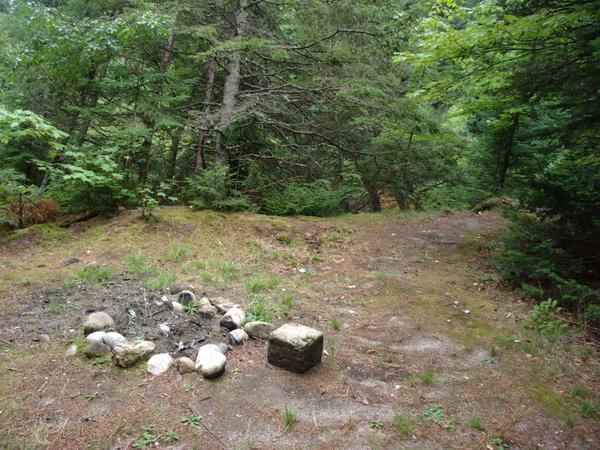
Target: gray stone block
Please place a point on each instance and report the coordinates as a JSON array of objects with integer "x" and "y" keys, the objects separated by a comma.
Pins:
[{"x": 295, "y": 347}]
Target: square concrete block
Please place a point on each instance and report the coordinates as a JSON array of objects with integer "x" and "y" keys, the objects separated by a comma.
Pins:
[{"x": 295, "y": 347}]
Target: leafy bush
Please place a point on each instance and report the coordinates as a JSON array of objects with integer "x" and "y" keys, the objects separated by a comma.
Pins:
[
  {"x": 214, "y": 189},
  {"x": 545, "y": 319},
  {"x": 318, "y": 198},
  {"x": 531, "y": 260}
]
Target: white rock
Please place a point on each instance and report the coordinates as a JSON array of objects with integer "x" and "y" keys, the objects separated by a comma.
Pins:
[
  {"x": 97, "y": 321},
  {"x": 96, "y": 336},
  {"x": 213, "y": 364},
  {"x": 237, "y": 337},
  {"x": 177, "y": 307},
  {"x": 259, "y": 330},
  {"x": 223, "y": 305},
  {"x": 207, "y": 348},
  {"x": 164, "y": 329},
  {"x": 71, "y": 351},
  {"x": 234, "y": 318},
  {"x": 159, "y": 364},
  {"x": 112, "y": 339}
]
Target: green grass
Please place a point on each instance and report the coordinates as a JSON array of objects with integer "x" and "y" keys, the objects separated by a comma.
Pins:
[
  {"x": 260, "y": 283},
  {"x": 259, "y": 310},
  {"x": 137, "y": 264},
  {"x": 287, "y": 302},
  {"x": 402, "y": 423},
  {"x": 178, "y": 251},
  {"x": 228, "y": 270},
  {"x": 335, "y": 323},
  {"x": 476, "y": 423},
  {"x": 57, "y": 305},
  {"x": 289, "y": 418},
  {"x": 162, "y": 280},
  {"x": 427, "y": 377},
  {"x": 94, "y": 274},
  {"x": 206, "y": 277}
]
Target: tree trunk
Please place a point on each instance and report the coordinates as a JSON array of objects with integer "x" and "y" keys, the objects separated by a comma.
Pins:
[
  {"x": 231, "y": 86},
  {"x": 200, "y": 160},
  {"x": 175, "y": 139},
  {"x": 505, "y": 160},
  {"x": 374, "y": 201}
]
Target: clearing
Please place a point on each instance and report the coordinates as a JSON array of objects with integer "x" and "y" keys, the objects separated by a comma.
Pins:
[{"x": 423, "y": 348}]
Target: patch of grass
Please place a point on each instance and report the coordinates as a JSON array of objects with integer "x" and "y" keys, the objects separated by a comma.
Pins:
[
  {"x": 137, "y": 264},
  {"x": 427, "y": 377},
  {"x": 335, "y": 323},
  {"x": 57, "y": 305},
  {"x": 287, "y": 302},
  {"x": 590, "y": 410},
  {"x": 284, "y": 238},
  {"x": 289, "y": 418},
  {"x": 344, "y": 379},
  {"x": 206, "y": 277},
  {"x": 260, "y": 283},
  {"x": 259, "y": 310},
  {"x": 580, "y": 391},
  {"x": 402, "y": 423},
  {"x": 94, "y": 274},
  {"x": 550, "y": 401},
  {"x": 476, "y": 423},
  {"x": 381, "y": 275},
  {"x": 228, "y": 270},
  {"x": 178, "y": 251},
  {"x": 162, "y": 280}
]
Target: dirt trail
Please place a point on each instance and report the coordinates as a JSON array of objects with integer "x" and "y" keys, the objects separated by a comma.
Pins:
[{"x": 424, "y": 328}]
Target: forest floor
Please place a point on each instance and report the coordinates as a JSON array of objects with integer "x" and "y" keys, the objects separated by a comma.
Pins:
[{"x": 423, "y": 347}]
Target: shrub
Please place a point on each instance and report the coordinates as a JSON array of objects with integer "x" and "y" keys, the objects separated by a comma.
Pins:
[
  {"x": 318, "y": 198},
  {"x": 214, "y": 189},
  {"x": 545, "y": 319},
  {"x": 531, "y": 260}
]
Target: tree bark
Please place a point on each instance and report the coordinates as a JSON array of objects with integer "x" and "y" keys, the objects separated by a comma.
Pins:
[
  {"x": 208, "y": 93},
  {"x": 505, "y": 160},
  {"x": 175, "y": 140},
  {"x": 231, "y": 85}
]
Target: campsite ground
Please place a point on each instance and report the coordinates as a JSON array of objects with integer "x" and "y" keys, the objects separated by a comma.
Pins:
[{"x": 423, "y": 347}]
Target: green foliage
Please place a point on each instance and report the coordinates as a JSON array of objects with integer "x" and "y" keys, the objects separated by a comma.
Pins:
[
  {"x": 401, "y": 423},
  {"x": 137, "y": 263},
  {"x": 94, "y": 274},
  {"x": 376, "y": 424},
  {"x": 146, "y": 439},
  {"x": 530, "y": 258},
  {"x": 433, "y": 413},
  {"x": 214, "y": 189},
  {"x": 317, "y": 198},
  {"x": 162, "y": 281},
  {"x": 335, "y": 323},
  {"x": 476, "y": 423},
  {"x": 191, "y": 421},
  {"x": 259, "y": 310},
  {"x": 545, "y": 319},
  {"x": 287, "y": 302},
  {"x": 289, "y": 418},
  {"x": 259, "y": 283},
  {"x": 427, "y": 377}
]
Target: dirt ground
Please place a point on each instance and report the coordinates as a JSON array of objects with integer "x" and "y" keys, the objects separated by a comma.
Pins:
[{"x": 424, "y": 348}]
